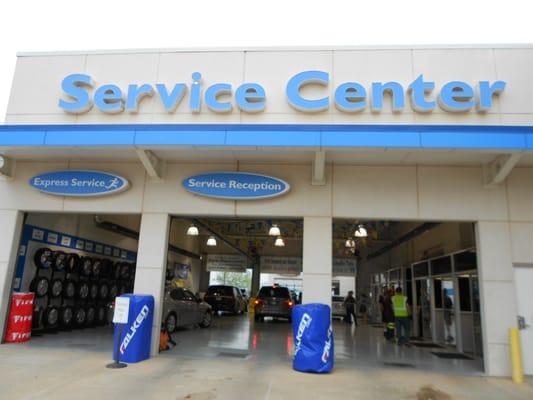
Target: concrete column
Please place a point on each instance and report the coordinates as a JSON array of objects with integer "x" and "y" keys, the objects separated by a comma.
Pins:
[
  {"x": 11, "y": 223},
  {"x": 256, "y": 278},
  {"x": 204, "y": 274},
  {"x": 497, "y": 293},
  {"x": 317, "y": 260},
  {"x": 152, "y": 264}
]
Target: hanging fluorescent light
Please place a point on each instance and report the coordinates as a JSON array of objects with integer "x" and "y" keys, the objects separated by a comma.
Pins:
[
  {"x": 279, "y": 242},
  {"x": 350, "y": 243},
  {"x": 192, "y": 231},
  {"x": 274, "y": 231},
  {"x": 211, "y": 241},
  {"x": 361, "y": 231}
]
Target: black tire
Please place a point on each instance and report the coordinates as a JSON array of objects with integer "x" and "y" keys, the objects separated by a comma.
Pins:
[
  {"x": 207, "y": 320},
  {"x": 66, "y": 316},
  {"x": 100, "y": 315},
  {"x": 60, "y": 261},
  {"x": 69, "y": 289},
  {"x": 86, "y": 266},
  {"x": 257, "y": 318},
  {"x": 107, "y": 269},
  {"x": 40, "y": 286},
  {"x": 116, "y": 269},
  {"x": 51, "y": 317},
  {"x": 113, "y": 291},
  {"x": 38, "y": 317},
  {"x": 97, "y": 267},
  {"x": 93, "y": 291},
  {"x": 125, "y": 271},
  {"x": 82, "y": 291},
  {"x": 123, "y": 289},
  {"x": 171, "y": 322},
  {"x": 43, "y": 258},
  {"x": 91, "y": 316},
  {"x": 103, "y": 292},
  {"x": 80, "y": 316},
  {"x": 56, "y": 288},
  {"x": 73, "y": 263}
]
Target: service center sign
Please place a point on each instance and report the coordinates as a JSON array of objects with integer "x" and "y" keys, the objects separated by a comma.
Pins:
[
  {"x": 236, "y": 185},
  {"x": 79, "y": 183}
]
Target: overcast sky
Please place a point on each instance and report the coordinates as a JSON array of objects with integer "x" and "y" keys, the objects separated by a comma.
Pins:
[{"x": 50, "y": 25}]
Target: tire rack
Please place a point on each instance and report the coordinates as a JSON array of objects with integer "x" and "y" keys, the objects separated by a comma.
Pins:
[{"x": 119, "y": 273}]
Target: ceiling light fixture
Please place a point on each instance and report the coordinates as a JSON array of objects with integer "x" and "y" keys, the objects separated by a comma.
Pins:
[
  {"x": 211, "y": 241},
  {"x": 350, "y": 243},
  {"x": 279, "y": 242},
  {"x": 274, "y": 230},
  {"x": 192, "y": 231},
  {"x": 361, "y": 231}
]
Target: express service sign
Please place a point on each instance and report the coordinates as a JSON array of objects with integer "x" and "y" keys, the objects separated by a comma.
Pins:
[
  {"x": 79, "y": 183},
  {"x": 236, "y": 185}
]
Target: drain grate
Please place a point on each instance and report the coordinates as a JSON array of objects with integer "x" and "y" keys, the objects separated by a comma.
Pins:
[
  {"x": 452, "y": 356},
  {"x": 398, "y": 364},
  {"x": 233, "y": 355}
]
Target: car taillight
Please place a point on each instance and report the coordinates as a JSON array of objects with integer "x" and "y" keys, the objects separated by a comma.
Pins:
[
  {"x": 258, "y": 302},
  {"x": 289, "y": 303}
]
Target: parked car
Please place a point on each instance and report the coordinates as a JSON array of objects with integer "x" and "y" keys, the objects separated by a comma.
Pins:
[
  {"x": 273, "y": 301},
  {"x": 337, "y": 307},
  {"x": 181, "y": 308},
  {"x": 225, "y": 298}
]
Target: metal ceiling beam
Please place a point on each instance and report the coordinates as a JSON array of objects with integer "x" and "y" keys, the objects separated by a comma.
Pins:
[
  {"x": 152, "y": 164},
  {"x": 319, "y": 168},
  {"x": 218, "y": 235},
  {"x": 498, "y": 170}
]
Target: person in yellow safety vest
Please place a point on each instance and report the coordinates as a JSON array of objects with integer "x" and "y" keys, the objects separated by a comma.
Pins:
[{"x": 402, "y": 314}]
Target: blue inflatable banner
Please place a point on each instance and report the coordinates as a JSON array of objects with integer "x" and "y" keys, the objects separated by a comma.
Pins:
[
  {"x": 313, "y": 338},
  {"x": 236, "y": 185},
  {"x": 79, "y": 183}
]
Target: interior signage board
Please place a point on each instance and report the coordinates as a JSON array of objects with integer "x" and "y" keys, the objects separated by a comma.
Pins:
[
  {"x": 226, "y": 263},
  {"x": 79, "y": 183},
  {"x": 280, "y": 265},
  {"x": 80, "y": 94},
  {"x": 293, "y": 265},
  {"x": 344, "y": 266},
  {"x": 235, "y": 185}
]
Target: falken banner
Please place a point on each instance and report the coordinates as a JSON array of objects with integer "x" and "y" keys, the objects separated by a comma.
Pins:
[
  {"x": 79, "y": 183},
  {"x": 236, "y": 185}
]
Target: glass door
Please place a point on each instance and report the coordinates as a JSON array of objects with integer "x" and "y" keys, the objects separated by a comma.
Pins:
[{"x": 444, "y": 310}]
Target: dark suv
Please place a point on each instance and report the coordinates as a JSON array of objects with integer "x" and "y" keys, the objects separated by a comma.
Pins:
[
  {"x": 225, "y": 298},
  {"x": 273, "y": 301}
]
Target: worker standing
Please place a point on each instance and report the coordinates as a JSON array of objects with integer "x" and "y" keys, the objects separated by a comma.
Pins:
[{"x": 401, "y": 315}]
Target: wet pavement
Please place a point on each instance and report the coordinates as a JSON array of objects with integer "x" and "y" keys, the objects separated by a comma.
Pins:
[{"x": 237, "y": 359}]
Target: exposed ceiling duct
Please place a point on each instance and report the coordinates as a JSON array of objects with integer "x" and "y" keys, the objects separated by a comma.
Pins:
[
  {"x": 122, "y": 230},
  {"x": 419, "y": 230}
]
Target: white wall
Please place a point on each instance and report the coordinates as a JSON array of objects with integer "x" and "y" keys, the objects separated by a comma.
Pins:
[{"x": 36, "y": 85}]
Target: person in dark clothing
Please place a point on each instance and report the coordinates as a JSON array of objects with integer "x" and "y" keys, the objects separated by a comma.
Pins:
[
  {"x": 349, "y": 305},
  {"x": 387, "y": 315}
]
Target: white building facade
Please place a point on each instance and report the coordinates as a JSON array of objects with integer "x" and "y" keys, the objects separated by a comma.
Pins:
[{"x": 418, "y": 134}]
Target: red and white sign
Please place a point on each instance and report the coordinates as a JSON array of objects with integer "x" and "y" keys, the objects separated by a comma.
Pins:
[{"x": 20, "y": 318}]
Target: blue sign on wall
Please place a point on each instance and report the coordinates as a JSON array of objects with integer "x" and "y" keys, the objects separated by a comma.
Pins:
[
  {"x": 78, "y": 183},
  {"x": 236, "y": 185}
]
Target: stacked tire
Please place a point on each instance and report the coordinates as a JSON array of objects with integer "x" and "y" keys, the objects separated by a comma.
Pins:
[{"x": 74, "y": 291}]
